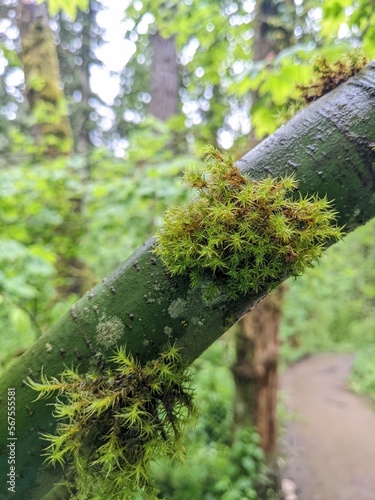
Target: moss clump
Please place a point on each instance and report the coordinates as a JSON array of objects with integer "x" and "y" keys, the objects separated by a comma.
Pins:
[
  {"x": 244, "y": 235},
  {"x": 112, "y": 426},
  {"x": 328, "y": 76}
]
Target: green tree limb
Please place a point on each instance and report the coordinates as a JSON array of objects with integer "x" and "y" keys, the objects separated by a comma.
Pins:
[{"x": 329, "y": 147}]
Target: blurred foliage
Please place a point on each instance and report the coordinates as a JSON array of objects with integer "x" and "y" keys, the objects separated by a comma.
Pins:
[
  {"x": 363, "y": 371},
  {"x": 70, "y": 7},
  {"x": 125, "y": 199},
  {"x": 219, "y": 464},
  {"x": 331, "y": 307},
  {"x": 120, "y": 209},
  {"x": 34, "y": 203}
]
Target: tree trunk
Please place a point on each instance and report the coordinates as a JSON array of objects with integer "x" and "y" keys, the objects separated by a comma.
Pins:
[
  {"x": 255, "y": 372},
  {"x": 255, "y": 369},
  {"x": 42, "y": 77},
  {"x": 83, "y": 142},
  {"x": 83, "y": 125},
  {"x": 52, "y": 130},
  {"x": 164, "y": 77},
  {"x": 328, "y": 147}
]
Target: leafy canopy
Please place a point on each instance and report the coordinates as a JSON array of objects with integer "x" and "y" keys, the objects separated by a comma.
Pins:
[{"x": 70, "y": 7}]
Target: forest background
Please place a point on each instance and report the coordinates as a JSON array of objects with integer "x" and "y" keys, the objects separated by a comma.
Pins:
[{"x": 70, "y": 212}]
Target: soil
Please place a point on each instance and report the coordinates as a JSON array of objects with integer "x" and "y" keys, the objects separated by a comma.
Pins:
[{"x": 329, "y": 444}]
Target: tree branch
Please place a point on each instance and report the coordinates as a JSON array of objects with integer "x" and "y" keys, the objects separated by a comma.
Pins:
[{"x": 329, "y": 147}]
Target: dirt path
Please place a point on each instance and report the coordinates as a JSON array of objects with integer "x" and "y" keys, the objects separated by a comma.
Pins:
[{"x": 330, "y": 440}]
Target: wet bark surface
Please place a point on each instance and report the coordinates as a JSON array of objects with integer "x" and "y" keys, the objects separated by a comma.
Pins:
[{"x": 329, "y": 444}]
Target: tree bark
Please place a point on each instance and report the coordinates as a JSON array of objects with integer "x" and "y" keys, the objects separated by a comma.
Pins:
[
  {"x": 329, "y": 147},
  {"x": 42, "y": 77},
  {"x": 83, "y": 142},
  {"x": 52, "y": 129},
  {"x": 255, "y": 372},
  {"x": 164, "y": 77},
  {"x": 256, "y": 366}
]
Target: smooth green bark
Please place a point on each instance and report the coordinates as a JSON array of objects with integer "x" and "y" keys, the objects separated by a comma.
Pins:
[{"x": 330, "y": 148}]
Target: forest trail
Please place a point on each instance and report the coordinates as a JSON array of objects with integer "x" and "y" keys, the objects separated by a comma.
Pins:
[{"x": 330, "y": 437}]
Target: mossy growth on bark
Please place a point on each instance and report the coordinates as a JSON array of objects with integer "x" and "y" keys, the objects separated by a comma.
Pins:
[
  {"x": 328, "y": 76},
  {"x": 113, "y": 424},
  {"x": 243, "y": 235},
  {"x": 50, "y": 115}
]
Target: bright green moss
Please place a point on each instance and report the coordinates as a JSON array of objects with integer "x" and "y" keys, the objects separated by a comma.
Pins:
[
  {"x": 113, "y": 425},
  {"x": 243, "y": 235}
]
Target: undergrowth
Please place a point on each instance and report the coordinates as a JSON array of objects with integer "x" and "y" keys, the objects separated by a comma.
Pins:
[{"x": 362, "y": 379}]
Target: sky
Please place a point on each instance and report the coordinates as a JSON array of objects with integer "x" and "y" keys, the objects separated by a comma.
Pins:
[{"x": 115, "y": 53}]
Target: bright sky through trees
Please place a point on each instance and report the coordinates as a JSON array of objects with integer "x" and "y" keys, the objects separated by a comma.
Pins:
[{"x": 115, "y": 53}]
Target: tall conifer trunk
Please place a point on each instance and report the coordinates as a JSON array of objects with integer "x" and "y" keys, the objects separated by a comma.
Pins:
[
  {"x": 257, "y": 345},
  {"x": 42, "y": 80},
  {"x": 52, "y": 129},
  {"x": 164, "y": 78}
]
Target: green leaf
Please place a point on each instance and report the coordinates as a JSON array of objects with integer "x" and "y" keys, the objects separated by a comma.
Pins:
[
  {"x": 69, "y": 7},
  {"x": 264, "y": 121}
]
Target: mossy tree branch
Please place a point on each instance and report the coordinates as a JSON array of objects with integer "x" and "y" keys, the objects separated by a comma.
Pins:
[{"x": 329, "y": 147}]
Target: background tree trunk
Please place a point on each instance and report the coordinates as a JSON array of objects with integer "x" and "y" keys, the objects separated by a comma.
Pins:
[
  {"x": 42, "y": 77},
  {"x": 52, "y": 130},
  {"x": 164, "y": 77},
  {"x": 255, "y": 372},
  {"x": 83, "y": 142},
  {"x": 256, "y": 368}
]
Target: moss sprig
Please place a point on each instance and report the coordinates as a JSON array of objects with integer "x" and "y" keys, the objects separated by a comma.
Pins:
[
  {"x": 112, "y": 426},
  {"x": 244, "y": 235},
  {"x": 328, "y": 76}
]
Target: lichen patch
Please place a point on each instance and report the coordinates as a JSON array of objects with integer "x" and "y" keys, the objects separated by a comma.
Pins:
[
  {"x": 168, "y": 331},
  {"x": 109, "y": 332},
  {"x": 177, "y": 308}
]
